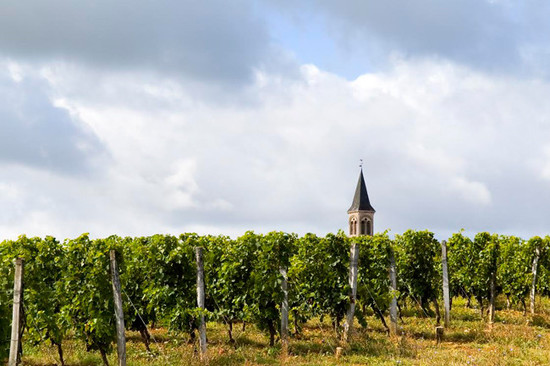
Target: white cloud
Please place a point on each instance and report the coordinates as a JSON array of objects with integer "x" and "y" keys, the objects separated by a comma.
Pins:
[
  {"x": 180, "y": 185},
  {"x": 165, "y": 36},
  {"x": 476, "y": 193},
  {"x": 444, "y": 148},
  {"x": 15, "y": 71},
  {"x": 196, "y": 116}
]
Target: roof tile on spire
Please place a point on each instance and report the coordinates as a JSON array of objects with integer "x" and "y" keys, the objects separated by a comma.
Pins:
[{"x": 361, "y": 199}]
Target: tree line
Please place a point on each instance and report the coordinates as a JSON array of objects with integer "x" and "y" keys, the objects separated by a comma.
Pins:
[{"x": 68, "y": 289}]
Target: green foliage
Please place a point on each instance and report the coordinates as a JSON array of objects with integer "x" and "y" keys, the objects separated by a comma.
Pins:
[
  {"x": 86, "y": 283},
  {"x": 373, "y": 278},
  {"x": 374, "y": 263},
  {"x": 44, "y": 317},
  {"x": 132, "y": 260},
  {"x": 6, "y": 296},
  {"x": 484, "y": 263},
  {"x": 171, "y": 286},
  {"x": 514, "y": 271},
  {"x": 44, "y": 297},
  {"x": 543, "y": 280},
  {"x": 228, "y": 266},
  {"x": 319, "y": 277},
  {"x": 418, "y": 263},
  {"x": 471, "y": 264},
  {"x": 545, "y": 249},
  {"x": 272, "y": 253},
  {"x": 461, "y": 265},
  {"x": 68, "y": 286}
]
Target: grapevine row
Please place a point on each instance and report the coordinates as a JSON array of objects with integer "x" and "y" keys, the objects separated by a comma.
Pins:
[{"x": 68, "y": 289}]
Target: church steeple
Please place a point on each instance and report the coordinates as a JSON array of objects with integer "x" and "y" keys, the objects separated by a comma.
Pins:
[{"x": 361, "y": 212}]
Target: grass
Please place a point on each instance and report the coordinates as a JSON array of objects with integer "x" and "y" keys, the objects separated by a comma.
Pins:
[{"x": 513, "y": 339}]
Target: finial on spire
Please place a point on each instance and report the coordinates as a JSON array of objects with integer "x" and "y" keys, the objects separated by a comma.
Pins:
[{"x": 361, "y": 163}]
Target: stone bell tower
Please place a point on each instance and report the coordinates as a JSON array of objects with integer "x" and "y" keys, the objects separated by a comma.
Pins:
[{"x": 361, "y": 213}]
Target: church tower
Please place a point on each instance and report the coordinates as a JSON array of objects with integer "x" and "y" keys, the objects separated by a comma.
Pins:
[{"x": 361, "y": 213}]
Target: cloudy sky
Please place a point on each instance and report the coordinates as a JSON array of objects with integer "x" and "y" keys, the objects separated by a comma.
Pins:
[{"x": 142, "y": 117}]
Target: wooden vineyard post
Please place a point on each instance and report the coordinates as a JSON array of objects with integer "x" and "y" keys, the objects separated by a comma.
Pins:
[
  {"x": 201, "y": 301},
  {"x": 117, "y": 296},
  {"x": 354, "y": 261},
  {"x": 534, "y": 270},
  {"x": 284, "y": 312},
  {"x": 446, "y": 295},
  {"x": 15, "y": 345},
  {"x": 393, "y": 305}
]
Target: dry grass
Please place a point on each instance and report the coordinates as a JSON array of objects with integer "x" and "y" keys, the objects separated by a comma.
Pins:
[{"x": 512, "y": 340}]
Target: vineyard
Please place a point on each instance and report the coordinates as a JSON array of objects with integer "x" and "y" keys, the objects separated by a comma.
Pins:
[{"x": 68, "y": 292}]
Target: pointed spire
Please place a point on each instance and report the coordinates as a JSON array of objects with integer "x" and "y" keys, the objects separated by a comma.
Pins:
[{"x": 361, "y": 199}]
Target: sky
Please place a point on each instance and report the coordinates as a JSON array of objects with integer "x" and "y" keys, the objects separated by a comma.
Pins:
[{"x": 217, "y": 117}]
